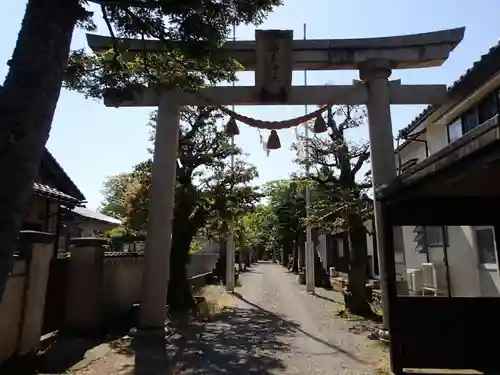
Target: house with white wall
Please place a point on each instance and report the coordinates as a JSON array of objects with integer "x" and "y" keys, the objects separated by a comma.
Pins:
[
  {"x": 464, "y": 258},
  {"x": 333, "y": 250}
]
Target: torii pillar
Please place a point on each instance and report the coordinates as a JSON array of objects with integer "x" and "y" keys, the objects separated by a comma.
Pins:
[{"x": 156, "y": 273}]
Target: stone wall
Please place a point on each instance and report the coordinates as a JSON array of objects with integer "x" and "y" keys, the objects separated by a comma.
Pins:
[
  {"x": 23, "y": 302},
  {"x": 105, "y": 285}
]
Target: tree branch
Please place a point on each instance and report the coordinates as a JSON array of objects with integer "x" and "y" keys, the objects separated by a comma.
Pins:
[{"x": 361, "y": 160}]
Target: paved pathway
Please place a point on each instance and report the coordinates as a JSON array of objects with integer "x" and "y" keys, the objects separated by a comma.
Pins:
[{"x": 276, "y": 328}]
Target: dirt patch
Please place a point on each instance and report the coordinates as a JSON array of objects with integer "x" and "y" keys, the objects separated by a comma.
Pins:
[{"x": 217, "y": 298}]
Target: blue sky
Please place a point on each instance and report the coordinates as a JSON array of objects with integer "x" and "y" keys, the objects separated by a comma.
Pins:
[{"x": 92, "y": 142}]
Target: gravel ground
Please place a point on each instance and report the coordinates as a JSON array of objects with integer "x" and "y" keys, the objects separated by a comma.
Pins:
[
  {"x": 275, "y": 327},
  {"x": 269, "y": 326}
]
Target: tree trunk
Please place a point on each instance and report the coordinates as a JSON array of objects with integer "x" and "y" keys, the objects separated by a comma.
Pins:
[
  {"x": 28, "y": 100},
  {"x": 180, "y": 297},
  {"x": 302, "y": 253},
  {"x": 357, "y": 296},
  {"x": 248, "y": 254},
  {"x": 295, "y": 259},
  {"x": 287, "y": 248},
  {"x": 220, "y": 267}
]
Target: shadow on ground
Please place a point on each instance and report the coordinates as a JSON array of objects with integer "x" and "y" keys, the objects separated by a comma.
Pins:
[
  {"x": 235, "y": 341},
  {"x": 232, "y": 341},
  {"x": 294, "y": 328}
]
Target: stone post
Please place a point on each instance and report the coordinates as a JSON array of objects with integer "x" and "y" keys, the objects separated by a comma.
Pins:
[
  {"x": 84, "y": 307},
  {"x": 375, "y": 75},
  {"x": 37, "y": 248},
  {"x": 152, "y": 309}
]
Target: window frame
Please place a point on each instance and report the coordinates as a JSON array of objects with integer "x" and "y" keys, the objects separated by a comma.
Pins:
[
  {"x": 487, "y": 266},
  {"x": 443, "y": 236},
  {"x": 474, "y": 113},
  {"x": 493, "y": 97},
  {"x": 457, "y": 121}
]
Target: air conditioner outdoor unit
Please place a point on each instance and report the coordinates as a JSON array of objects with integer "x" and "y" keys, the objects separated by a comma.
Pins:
[
  {"x": 414, "y": 279},
  {"x": 434, "y": 276},
  {"x": 417, "y": 280},
  {"x": 333, "y": 272},
  {"x": 409, "y": 279}
]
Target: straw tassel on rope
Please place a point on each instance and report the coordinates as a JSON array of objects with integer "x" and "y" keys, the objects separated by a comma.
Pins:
[
  {"x": 273, "y": 142},
  {"x": 320, "y": 125},
  {"x": 232, "y": 127}
]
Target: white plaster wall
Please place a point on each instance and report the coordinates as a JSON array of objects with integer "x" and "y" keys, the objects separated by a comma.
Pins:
[
  {"x": 463, "y": 262},
  {"x": 412, "y": 150},
  {"x": 11, "y": 311},
  {"x": 490, "y": 282},
  {"x": 462, "y": 259},
  {"x": 413, "y": 258},
  {"x": 436, "y": 137}
]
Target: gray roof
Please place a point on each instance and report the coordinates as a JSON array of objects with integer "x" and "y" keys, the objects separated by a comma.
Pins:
[
  {"x": 476, "y": 75},
  {"x": 48, "y": 191},
  {"x": 95, "y": 215}
]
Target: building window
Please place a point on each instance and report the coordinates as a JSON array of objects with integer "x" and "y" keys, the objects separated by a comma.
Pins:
[
  {"x": 470, "y": 120},
  {"x": 454, "y": 130},
  {"x": 486, "y": 247},
  {"x": 435, "y": 236},
  {"x": 426, "y": 237},
  {"x": 487, "y": 108}
]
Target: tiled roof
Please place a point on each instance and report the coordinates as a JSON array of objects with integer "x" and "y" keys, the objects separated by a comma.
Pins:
[
  {"x": 48, "y": 191},
  {"x": 480, "y": 71},
  {"x": 85, "y": 212}
]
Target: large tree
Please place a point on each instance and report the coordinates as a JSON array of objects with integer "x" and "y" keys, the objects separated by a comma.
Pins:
[
  {"x": 207, "y": 190},
  {"x": 114, "y": 190},
  {"x": 39, "y": 64},
  {"x": 335, "y": 167}
]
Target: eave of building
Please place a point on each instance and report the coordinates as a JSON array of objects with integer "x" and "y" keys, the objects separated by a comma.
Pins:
[
  {"x": 470, "y": 88},
  {"x": 49, "y": 192}
]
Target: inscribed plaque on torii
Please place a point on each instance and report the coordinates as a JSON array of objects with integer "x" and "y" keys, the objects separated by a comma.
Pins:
[{"x": 273, "y": 72}]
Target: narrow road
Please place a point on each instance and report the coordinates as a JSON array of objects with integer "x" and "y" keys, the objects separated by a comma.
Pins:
[{"x": 276, "y": 328}]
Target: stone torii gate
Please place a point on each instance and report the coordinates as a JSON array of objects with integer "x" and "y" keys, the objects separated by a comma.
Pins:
[{"x": 274, "y": 55}]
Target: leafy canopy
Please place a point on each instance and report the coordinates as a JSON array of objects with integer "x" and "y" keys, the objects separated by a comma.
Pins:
[
  {"x": 208, "y": 192},
  {"x": 190, "y": 31},
  {"x": 334, "y": 164}
]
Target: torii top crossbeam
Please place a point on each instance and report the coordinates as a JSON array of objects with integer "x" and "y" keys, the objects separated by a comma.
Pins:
[
  {"x": 274, "y": 55},
  {"x": 405, "y": 51}
]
